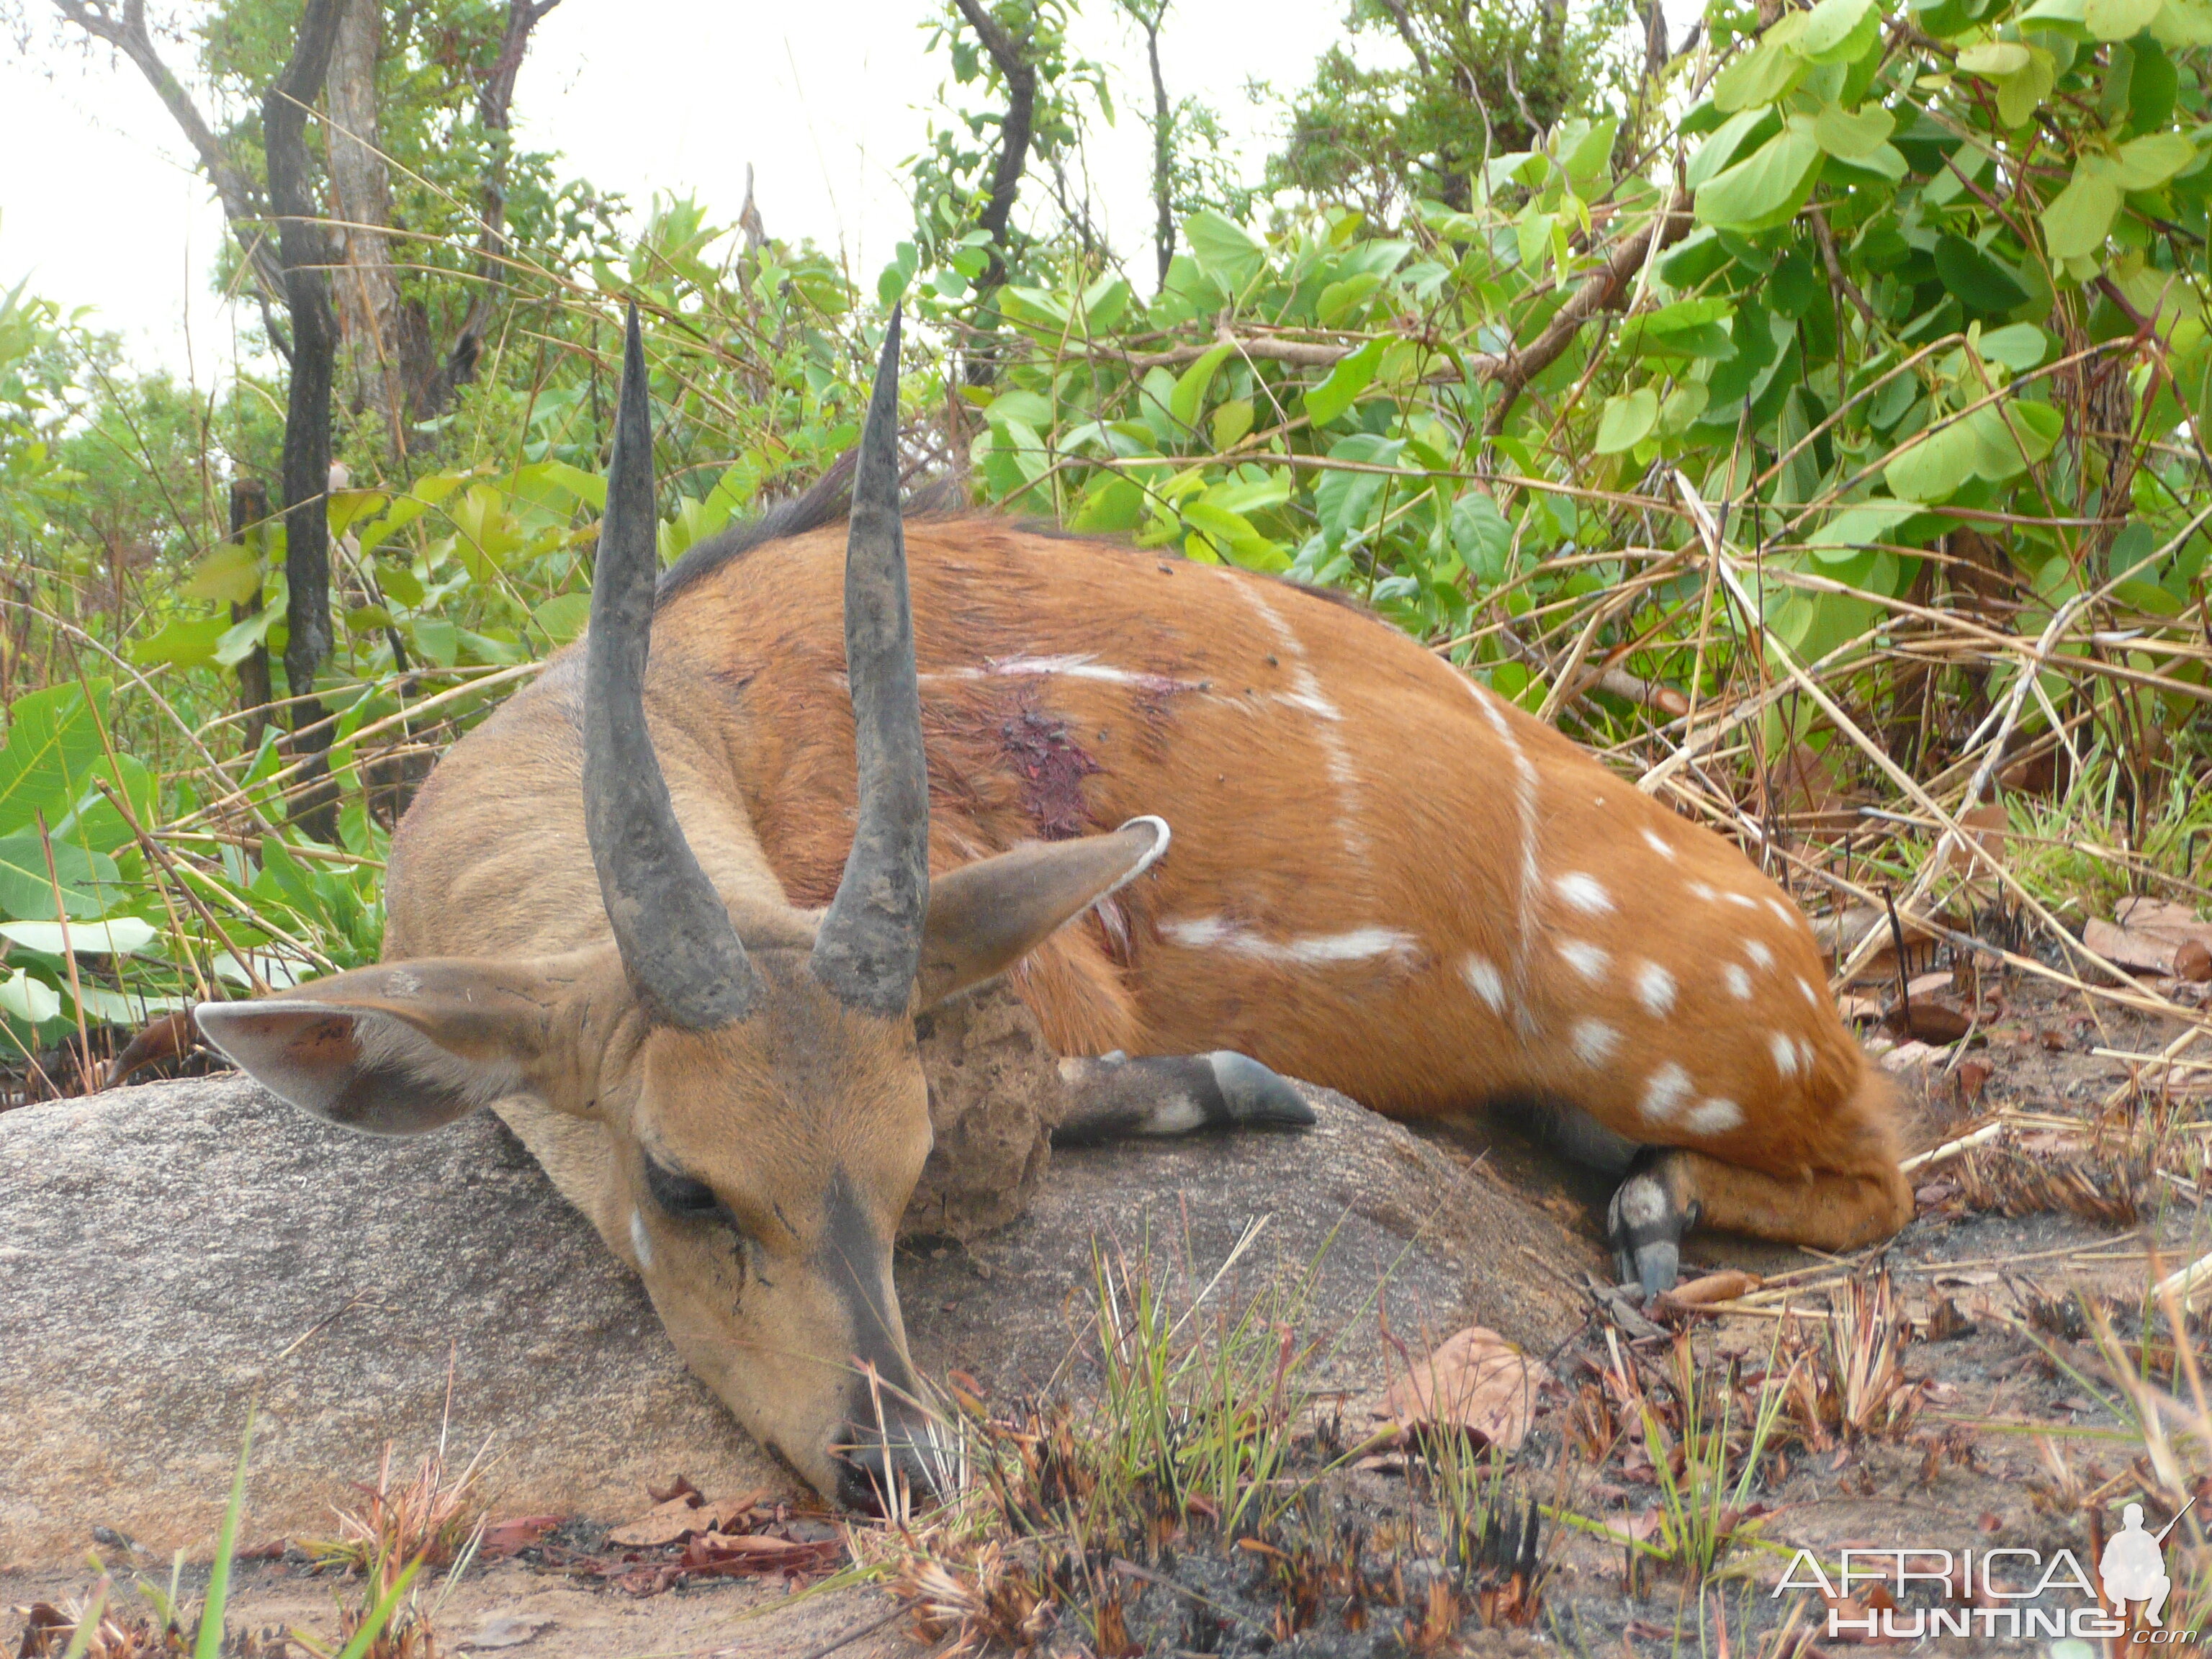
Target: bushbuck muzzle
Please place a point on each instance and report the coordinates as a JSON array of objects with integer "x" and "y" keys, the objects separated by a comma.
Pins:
[{"x": 749, "y": 1069}]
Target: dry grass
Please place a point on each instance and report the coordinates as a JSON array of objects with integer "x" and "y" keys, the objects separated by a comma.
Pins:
[
  {"x": 433, "y": 1519},
  {"x": 1846, "y": 1381}
]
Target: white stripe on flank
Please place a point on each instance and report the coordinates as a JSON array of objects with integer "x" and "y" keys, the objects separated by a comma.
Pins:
[
  {"x": 1785, "y": 1052},
  {"x": 1481, "y": 976},
  {"x": 1586, "y": 893},
  {"x": 1658, "y": 843},
  {"x": 1715, "y": 1117},
  {"x": 1310, "y": 951},
  {"x": 1305, "y": 693},
  {"x": 1739, "y": 982},
  {"x": 1666, "y": 1089},
  {"x": 1655, "y": 988},
  {"x": 1531, "y": 875},
  {"x": 1587, "y": 959},
  {"x": 1594, "y": 1041},
  {"x": 1074, "y": 666}
]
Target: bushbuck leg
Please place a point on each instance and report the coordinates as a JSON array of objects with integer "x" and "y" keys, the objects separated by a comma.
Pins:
[{"x": 1115, "y": 1097}]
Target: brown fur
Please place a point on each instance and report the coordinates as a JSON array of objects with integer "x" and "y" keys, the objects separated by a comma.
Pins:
[{"x": 1204, "y": 728}]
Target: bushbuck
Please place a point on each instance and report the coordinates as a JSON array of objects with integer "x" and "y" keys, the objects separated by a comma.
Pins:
[{"x": 674, "y": 920}]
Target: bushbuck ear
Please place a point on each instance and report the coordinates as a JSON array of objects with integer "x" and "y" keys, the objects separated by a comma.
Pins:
[
  {"x": 986, "y": 916},
  {"x": 407, "y": 1047}
]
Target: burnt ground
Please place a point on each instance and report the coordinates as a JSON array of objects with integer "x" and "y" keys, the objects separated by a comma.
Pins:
[{"x": 2001, "y": 1430}]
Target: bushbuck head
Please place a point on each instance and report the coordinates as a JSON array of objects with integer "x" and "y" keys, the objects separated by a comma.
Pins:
[{"x": 753, "y": 1066}]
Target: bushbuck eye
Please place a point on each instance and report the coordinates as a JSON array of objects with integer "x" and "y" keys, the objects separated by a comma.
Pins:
[{"x": 680, "y": 1196}]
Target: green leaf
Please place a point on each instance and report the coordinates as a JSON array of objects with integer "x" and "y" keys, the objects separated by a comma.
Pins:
[
  {"x": 563, "y": 617},
  {"x": 30, "y": 1000},
  {"x": 1627, "y": 420},
  {"x": 118, "y": 936},
  {"x": 2149, "y": 161},
  {"x": 1838, "y": 31},
  {"x": 27, "y": 892},
  {"x": 2074, "y": 225},
  {"x": 1351, "y": 377},
  {"x": 230, "y": 575},
  {"x": 1980, "y": 282},
  {"x": 1763, "y": 74},
  {"x": 1717, "y": 152},
  {"x": 1345, "y": 500},
  {"x": 1225, "y": 250},
  {"x": 399, "y": 584},
  {"x": 1855, "y": 526},
  {"x": 53, "y": 741},
  {"x": 2119, "y": 19},
  {"x": 2019, "y": 95},
  {"x": 2181, "y": 24},
  {"x": 1853, "y": 135},
  {"x": 1337, "y": 299},
  {"x": 236, "y": 643},
  {"x": 1936, "y": 466},
  {"x": 1190, "y": 388},
  {"x": 1995, "y": 58},
  {"x": 2019, "y": 347},
  {"x": 1231, "y": 421},
  {"x": 1766, "y": 188}
]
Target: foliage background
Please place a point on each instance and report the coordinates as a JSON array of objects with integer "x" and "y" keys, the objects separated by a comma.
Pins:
[{"x": 1805, "y": 413}]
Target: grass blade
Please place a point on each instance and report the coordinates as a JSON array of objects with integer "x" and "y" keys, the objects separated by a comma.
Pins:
[
  {"x": 209, "y": 1642},
  {"x": 373, "y": 1626}
]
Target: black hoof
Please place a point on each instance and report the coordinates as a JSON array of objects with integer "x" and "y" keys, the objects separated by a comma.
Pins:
[
  {"x": 1646, "y": 1227},
  {"x": 1255, "y": 1097}
]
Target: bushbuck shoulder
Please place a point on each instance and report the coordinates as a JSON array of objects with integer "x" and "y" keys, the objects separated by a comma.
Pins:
[{"x": 673, "y": 919}]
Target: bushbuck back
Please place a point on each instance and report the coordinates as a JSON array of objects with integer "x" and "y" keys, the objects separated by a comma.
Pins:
[{"x": 674, "y": 919}]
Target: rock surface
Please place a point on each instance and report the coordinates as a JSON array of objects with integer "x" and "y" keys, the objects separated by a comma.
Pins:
[{"x": 171, "y": 1254}]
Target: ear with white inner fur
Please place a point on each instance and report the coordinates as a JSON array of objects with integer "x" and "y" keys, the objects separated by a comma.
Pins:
[
  {"x": 984, "y": 917},
  {"x": 404, "y": 1048}
]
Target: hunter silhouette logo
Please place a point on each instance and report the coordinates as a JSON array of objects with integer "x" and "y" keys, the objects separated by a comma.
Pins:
[{"x": 2133, "y": 1565}]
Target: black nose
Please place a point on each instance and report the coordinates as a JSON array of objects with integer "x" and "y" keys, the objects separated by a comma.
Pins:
[{"x": 883, "y": 1469}]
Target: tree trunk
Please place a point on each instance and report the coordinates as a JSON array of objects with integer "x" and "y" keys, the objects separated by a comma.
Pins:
[
  {"x": 1164, "y": 231},
  {"x": 387, "y": 342},
  {"x": 304, "y": 253},
  {"x": 249, "y": 514}
]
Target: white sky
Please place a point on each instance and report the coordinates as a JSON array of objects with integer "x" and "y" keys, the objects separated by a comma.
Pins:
[{"x": 100, "y": 207}]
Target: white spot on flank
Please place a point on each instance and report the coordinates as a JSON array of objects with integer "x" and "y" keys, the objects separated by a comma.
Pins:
[
  {"x": 1781, "y": 909},
  {"x": 1785, "y": 1052},
  {"x": 1715, "y": 1117},
  {"x": 1665, "y": 1090},
  {"x": 1594, "y": 1041},
  {"x": 1309, "y": 951},
  {"x": 1812, "y": 996},
  {"x": 1739, "y": 982},
  {"x": 639, "y": 1243},
  {"x": 1658, "y": 843},
  {"x": 1482, "y": 978},
  {"x": 1655, "y": 988},
  {"x": 1698, "y": 889},
  {"x": 1587, "y": 959},
  {"x": 1759, "y": 955},
  {"x": 1805, "y": 1055},
  {"x": 1586, "y": 893},
  {"x": 1743, "y": 899}
]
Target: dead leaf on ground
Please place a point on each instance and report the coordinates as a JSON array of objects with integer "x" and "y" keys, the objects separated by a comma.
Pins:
[
  {"x": 2127, "y": 948},
  {"x": 1937, "y": 1023},
  {"x": 2162, "y": 918},
  {"x": 1477, "y": 1382},
  {"x": 504, "y": 1538},
  {"x": 1723, "y": 1287},
  {"x": 665, "y": 1523},
  {"x": 507, "y": 1630}
]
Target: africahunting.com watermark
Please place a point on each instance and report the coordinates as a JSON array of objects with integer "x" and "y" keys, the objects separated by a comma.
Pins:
[{"x": 1987, "y": 1594}]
